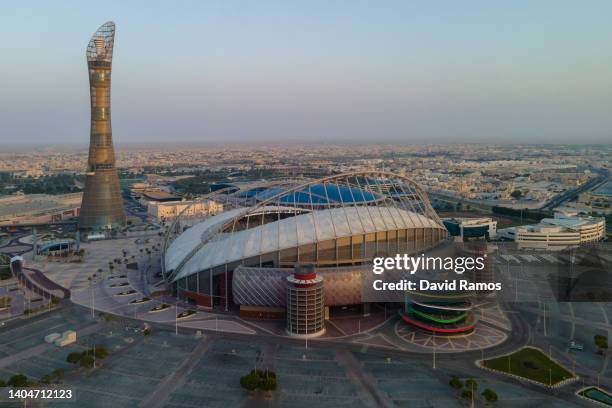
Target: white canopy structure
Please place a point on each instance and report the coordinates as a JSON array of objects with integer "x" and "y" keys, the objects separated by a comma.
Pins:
[{"x": 338, "y": 221}]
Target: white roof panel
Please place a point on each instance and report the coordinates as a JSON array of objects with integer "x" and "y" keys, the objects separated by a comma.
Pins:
[{"x": 294, "y": 231}]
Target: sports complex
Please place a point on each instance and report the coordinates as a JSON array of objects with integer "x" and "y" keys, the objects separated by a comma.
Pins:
[{"x": 242, "y": 257}]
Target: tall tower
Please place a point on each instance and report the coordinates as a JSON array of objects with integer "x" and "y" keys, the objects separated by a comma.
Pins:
[{"x": 102, "y": 205}]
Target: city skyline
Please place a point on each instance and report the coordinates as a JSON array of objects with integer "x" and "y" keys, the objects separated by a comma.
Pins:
[{"x": 241, "y": 73}]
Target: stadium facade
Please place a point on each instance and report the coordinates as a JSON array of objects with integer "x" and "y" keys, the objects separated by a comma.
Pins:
[
  {"x": 102, "y": 205},
  {"x": 245, "y": 255}
]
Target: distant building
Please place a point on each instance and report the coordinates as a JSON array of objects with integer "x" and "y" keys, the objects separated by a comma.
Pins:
[
  {"x": 38, "y": 208},
  {"x": 157, "y": 196},
  {"x": 137, "y": 189},
  {"x": 598, "y": 200},
  {"x": 167, "y": 210},
  {"x": 467, "y": 228},
  {"x": 566, "y": 229}
]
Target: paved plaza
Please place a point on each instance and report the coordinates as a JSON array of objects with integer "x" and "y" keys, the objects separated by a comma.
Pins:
[
  {"x": 363, "y": 361},
  {"x": 166, "y": 370}
]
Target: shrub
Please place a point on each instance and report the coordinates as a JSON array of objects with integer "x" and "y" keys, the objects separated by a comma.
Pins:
[
  {"x": 490, "y": 395},
  {"x": 466, "y": 394},
  {"x": 265, "y": 380},
  {"x": 516, "y": 194},
  {"x": 250, "y": 382},
  {"x": 54, "y": 377},
  {"x": 471, "y": 384},
  {"x": 5, "y": 301},
  {"x": 86, "y": 361},
  {"x": 268, "y": 384},
  {"x": 18, "y": 380},
  {"x": 456, "y": 383},
  {"x": 98, "y": 351},
  {"x": 74, "y": 357},
  {"x": 601, "y": 341},
  {"x": 3, "y": 383}
]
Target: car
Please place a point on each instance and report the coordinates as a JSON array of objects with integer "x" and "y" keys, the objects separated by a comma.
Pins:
[{"x": 575, "y": 346}]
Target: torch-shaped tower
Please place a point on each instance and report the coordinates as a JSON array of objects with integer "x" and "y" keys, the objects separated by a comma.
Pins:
[{"x": 102, "y": 206}]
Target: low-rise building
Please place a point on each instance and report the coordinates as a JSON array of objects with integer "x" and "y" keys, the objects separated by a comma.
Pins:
[
  {"x": 557, "y": 233},
  {"x": 167, "y": 210},
  {"x": 471, "y": 227},
  {"x": 38, "y": 208}
]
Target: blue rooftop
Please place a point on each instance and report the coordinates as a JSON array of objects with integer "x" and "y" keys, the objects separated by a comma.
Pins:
[{"x": 320, "y": 194}]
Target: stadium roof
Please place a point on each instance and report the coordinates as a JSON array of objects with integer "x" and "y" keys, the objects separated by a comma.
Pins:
[
  {"x": 306, "y": 228},
  {"x": 318, "y": 194},
  {"x": 292, "y": 213}
]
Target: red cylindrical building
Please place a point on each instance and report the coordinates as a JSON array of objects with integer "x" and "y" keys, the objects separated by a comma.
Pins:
[{"x": 305, "y": 316}]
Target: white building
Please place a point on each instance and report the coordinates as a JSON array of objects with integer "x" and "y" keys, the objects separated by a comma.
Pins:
[
  {"x": 566, "y": 229},
  {"x": 171, "y": 209}
]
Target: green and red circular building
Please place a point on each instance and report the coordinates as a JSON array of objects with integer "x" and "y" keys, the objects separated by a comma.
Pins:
[{"x": 440, "y": 312}]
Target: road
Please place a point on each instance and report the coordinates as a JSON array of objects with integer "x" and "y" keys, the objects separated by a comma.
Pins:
[
  {"x": 554, "y": 202},
  {"x": 571, "y": 194}
]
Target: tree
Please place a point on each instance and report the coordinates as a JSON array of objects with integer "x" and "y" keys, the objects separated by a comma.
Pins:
[
  {"x": 250, "y": 382},
  {"x": 268, "y": 384},
  {"x": 74, "y": 357},
  {"x": 18, "y": 381},
  {"x": 86, "y": 361},
  {"x": 3, "y": 383},
  {"x": 5, "y": 301},
  {"x": 265, "y": 380},
  {"x": 516, "y": 194},
  {"x": 100, "y": 352},
  {"x": 471, "y": 384},
  {"x": 456, "y": 383},
  {"x": 601, "y": 342},
  {"x": 54, "y": 377},
  {"x": 466, "y": 394},
  {"x": 489, "y": 395}
]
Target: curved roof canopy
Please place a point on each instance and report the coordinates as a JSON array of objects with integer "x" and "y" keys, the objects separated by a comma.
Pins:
[
  {"x": 100, "y": 47},
  {"x": 286, "y": 217},
  {"x": 307, "y": 228}
]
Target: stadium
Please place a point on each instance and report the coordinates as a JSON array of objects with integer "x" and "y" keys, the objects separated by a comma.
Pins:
[{"x": 242, "y": 257}]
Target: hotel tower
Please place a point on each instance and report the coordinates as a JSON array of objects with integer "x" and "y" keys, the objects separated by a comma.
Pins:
[{"x": 102, "y": 205}]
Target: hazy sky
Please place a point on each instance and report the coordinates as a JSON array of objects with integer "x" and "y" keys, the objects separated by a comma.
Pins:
[{"x": 215, "y": 71}]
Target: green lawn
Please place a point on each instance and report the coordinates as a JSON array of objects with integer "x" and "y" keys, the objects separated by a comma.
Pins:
[
  {"x": 598, "y": 395},
  {"x": 532, "y": 364}
]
